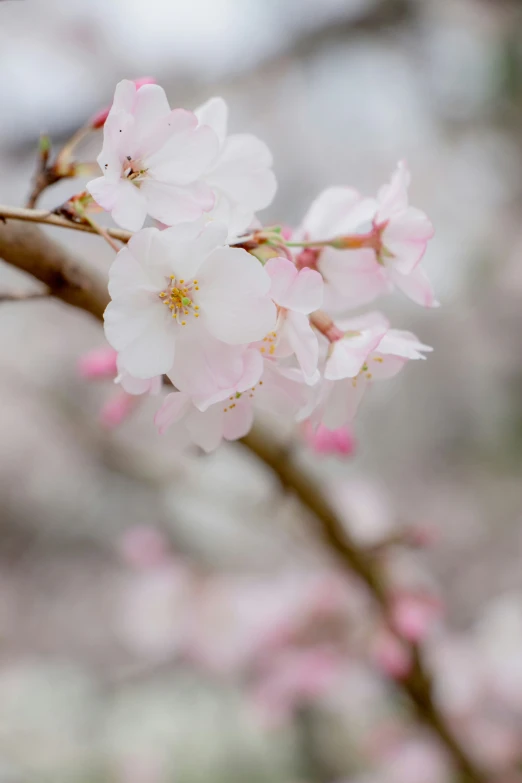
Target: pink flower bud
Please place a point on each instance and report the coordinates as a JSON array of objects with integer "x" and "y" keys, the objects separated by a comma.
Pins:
[
  {"x": 413, "y": 615},
  {"x": 324, "y": 441},
  {"x": 391, "y": 655},
  {"x": 98, "y": 121},
  {"x": 117, "y": 410},
  {"x": 98, "y": 363}
]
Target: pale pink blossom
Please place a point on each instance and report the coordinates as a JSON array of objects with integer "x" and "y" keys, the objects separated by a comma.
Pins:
[
  {"x": 209, "y": 422},
  {"x": 297, "y": 293},
  {"x": 137, "y": 386},
  {"x": 339, "y": 442},
  {"x": 152, "y": 160},
  {"x": 98, "y": 363},
  {"x": 183, "y": 283},
  {"x": 334, "y": 403},
  {"x": 362, "y": 335},
  {"x": 240, "y": 177},
  {"x": 392, "y": 240}
]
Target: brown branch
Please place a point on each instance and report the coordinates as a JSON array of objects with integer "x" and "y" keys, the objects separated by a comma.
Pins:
[
  {"x": 417, "y": 684},
  {"x": 50, "y": 219},
  {"x": 29, "y": 249}
]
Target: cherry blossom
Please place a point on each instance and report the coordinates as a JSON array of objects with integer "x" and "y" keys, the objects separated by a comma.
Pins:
[
  {"x": 379, "y": 244},
  {"x": 208, "y": 422},
  {"x": 183, "y": 283},
  {"x": 240, "y": 177},
  {"x": 334, "y": 403},
  {"x": 152, "y": 160},
  {"x": 297, "y": 294}
]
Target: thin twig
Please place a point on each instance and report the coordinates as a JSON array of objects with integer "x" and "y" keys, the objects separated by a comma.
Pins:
[
  {"x": 101, "y": 231},
  {"x": 48, "y": 218}
]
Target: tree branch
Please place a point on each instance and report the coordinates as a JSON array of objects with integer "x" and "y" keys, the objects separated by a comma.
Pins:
[
  {"x": 29, "y": 249},
  {"x": 50, "y": 219},
  {"x": 32, "y": 251}
]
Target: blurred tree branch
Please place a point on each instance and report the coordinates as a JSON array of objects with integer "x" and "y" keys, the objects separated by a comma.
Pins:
[{"x": 29, "y": 249}]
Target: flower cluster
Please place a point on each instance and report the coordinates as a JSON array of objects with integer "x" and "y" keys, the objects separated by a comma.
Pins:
[{"x": 233, "y": 314}]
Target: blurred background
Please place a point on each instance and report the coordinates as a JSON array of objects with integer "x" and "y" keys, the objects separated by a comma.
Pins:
[{"x": 170, "y": 617}]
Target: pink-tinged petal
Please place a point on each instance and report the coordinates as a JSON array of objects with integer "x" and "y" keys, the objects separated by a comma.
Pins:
[
  {"x": 174, "y": 128},
  {"x": 384, "y": 367},
  {"x": 234, "y": 297},
  {"x": 347, "y": 356},
  {"x": 243, "y": 172},
  {"x": 237, "y": 421},
  {"x": 343, "y": 402},
  {"x": 206, "y": 429},
  {"x": 174, "y": 408},
  {"x": 306, "y": 294},
  {"x": 169, "y": 204},
  {"x": 211, "y": 370},
  {"x": 283, "y": 274},
  {"x": 130, "y": 206},
  {"x": 150, "y": 106},
  {"x": 394, "y": 197},
  {"x": 300, "y": 291},
  {"x": 281, "y": 391},
  {"x": 138, "y": 386},
  {"x": 415, "y": 286},
  {"x": 214, "y": 113},
  {"x": 401, "y": 343},
  {"x": 184, "y": 159},
  {"x": 406, "y": 237},
  {"x": 352, "y": 278},
  {"x": 304, "y": 344}
]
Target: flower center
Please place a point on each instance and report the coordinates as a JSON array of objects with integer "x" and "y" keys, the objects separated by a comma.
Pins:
[
  {"x": 133, "y": 170},
  {"x": 238, "y": 395},
  {"x": 178, "y": 297},
  {"x": 269, "y": 343}
]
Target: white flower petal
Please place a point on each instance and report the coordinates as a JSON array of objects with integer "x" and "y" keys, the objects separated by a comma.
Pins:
[
  {"x": 169, "y": 204},
  {"x": 243, "y": 172},
  {"x": 215, "y": 114},
  {"x": 234, "y": 296},
  {"x": 183, "y": 159},
  {"x": 152, "y": 350},
  {"x": 130, "y": 206}
]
